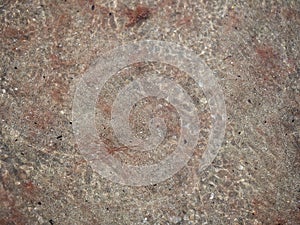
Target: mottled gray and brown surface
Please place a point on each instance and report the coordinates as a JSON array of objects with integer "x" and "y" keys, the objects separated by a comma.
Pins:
[{"x": 253, "y": 47}]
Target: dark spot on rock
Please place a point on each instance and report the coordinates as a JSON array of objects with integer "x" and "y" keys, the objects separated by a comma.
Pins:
[{"x": 59, "y": 137}]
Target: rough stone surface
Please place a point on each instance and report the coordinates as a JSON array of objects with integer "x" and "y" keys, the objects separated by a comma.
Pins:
[{"x": 253, "y": 47}]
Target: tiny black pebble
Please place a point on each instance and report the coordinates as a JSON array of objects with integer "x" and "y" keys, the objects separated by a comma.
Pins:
[
  {"x": 93, "y": 7},
  {"x": 110, "y": 13},
  {"x": 39, "y": 203},
  {"x": 59, "y": 137},
  {"x": 51, "y": 221}
]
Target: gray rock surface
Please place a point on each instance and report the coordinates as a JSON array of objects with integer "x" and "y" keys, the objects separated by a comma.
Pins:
[{"x": 253, "y": 49}]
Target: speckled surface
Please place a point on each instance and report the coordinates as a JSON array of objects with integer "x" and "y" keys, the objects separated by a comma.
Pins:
[{"x": 253, "y": 48}]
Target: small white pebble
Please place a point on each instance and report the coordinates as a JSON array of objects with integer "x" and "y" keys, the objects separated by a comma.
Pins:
[
  {"x": 3, "y": 91},
  {"x": 175, "y": 219},
  {"x": 203, "y": 100},
  {"x": 212, "y": 195}
]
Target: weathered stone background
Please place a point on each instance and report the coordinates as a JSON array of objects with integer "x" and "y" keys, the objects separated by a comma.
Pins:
[{"x": 253, "y": 47}]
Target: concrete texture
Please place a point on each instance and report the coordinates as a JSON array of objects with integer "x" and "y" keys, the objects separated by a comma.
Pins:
[{"x": 253, "y": 47}]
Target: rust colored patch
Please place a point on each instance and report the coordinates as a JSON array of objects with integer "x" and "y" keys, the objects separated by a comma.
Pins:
[
  {"x": 41, "y": 119},
  {"x": 186, "y": 20},
  {"x": 104, "y": 106},
  {"x": 266, "y": 53},
  {"x": 14, "y": 217},
  {"x": 139, "y": 14},
  {"x": 30, "y": 190},
  {"x": 56, "y": 62},
  {"x": 291, "y": 14},
  {"x": 9, "y": 213},
  {"x": 58, "y": 88},
  {"x": 232, "y": 20}
]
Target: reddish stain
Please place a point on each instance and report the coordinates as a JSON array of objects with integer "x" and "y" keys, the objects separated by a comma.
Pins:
[
  {"x": 290, "y": 14},
  {"x": 29, "y": 189},
  {"x": 266, "y": 53},
  {"x": 9, "y": 212},
  {"x": 232, "y": 20},
  {"x": 105, "y": 107},
  {"x": 41, "y": 119},
  {"x": 138, "y": 14},
  {"x": 186, "y": 20}
]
